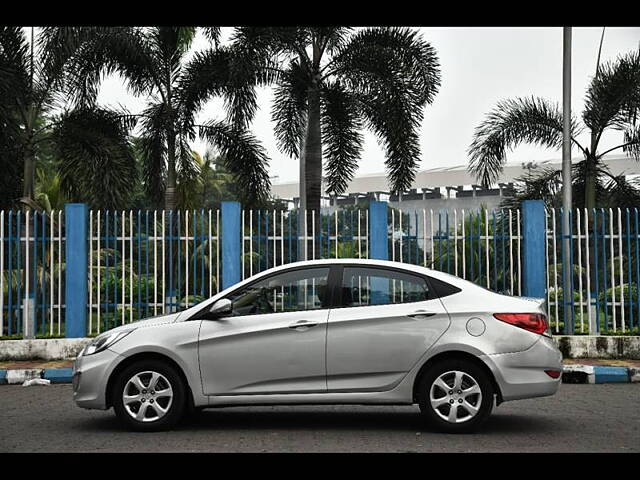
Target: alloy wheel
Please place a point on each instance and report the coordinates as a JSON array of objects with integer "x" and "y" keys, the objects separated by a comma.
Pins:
[
  {"x": 455, "y": 396},
  {"x": 147, "y": 396}
]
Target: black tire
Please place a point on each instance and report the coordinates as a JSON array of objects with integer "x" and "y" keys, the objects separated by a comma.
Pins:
[
  {"x": 176, "y": 408},
  {"x": 476, "y": 373}
]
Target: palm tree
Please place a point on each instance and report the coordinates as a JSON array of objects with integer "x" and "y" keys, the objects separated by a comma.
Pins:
[
  {"x": 32, "y": 85},
  {"x": 153, "y": 63},
  {"x": 330, "y": 83},
  {"x": 612, "y": 103}
]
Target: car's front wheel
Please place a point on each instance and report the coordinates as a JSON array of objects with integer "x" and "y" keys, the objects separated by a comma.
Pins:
[
  {"x": 456, "y": 396},
  {"x": 149, "y": 396}
]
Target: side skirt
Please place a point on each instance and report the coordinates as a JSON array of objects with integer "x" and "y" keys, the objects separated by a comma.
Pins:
[{"x": 400, "y": 395}]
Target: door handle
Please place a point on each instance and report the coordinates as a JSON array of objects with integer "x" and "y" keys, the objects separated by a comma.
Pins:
[
  {"x": 303, "y": 324},
  {"x": 421, "y": 314}
]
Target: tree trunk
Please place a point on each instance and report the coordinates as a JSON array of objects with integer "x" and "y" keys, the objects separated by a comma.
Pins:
[
  {"x": 590, "y": 186},
  {"x": 590, "y": 182},
  {"x": 302, "y": 200},
  {"x": 590, "y": 204},
  {"x": 313, "y": 166},
  {"x": 170, "y": 200},
  {"x": 28, "y": 190}
]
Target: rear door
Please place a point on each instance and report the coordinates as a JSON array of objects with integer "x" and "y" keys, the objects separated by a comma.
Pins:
[{"x": 387, "y": 319}]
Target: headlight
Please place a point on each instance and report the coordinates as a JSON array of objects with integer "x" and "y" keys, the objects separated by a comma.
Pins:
[{"x": 104, "y": 341}]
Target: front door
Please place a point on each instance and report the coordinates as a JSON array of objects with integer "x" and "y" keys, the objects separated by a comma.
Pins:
[{"x": 273, "y": 342}]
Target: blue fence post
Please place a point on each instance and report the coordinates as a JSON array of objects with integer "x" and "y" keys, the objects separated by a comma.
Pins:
[
  {"x": 230, "y": 225},
  {"x": 533, "y": 262},
  {"x": 379, "y": 247},
  {"x": 76, "y": 219}
]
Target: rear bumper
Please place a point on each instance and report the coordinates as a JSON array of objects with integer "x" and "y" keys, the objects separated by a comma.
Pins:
[
  {"x": 90, "y": 376},
  {"x": 522, "y": 374}
]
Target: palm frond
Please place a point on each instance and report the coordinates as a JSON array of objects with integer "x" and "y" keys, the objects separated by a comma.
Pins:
[
  {"x": 332, "y": 38},
  {"x": 55, "y": 48},
  {"x": 170, "y": 44},
  {"x": 394, "y": 120},
  {"x": 273, "y": 41},
  {"x": 221, "y": 72},
  {"x": 202, "y": 78},
  {"x": 11, "y": 164},
  {"x": 289, "y": 108},
  {"x": 512, "y": 122},
  {"x": 122, "y": 50},
  {"x": 622, "y": 192},
  {"x": 378, "y": 56},
  {"x": 96, "y": 160},
  {"x": 537, "y": 184},
  {"x": 186, "y": 164},
  {"x": 154, "y": 123},
  {"x": 213, "y": 34},
  {"x": 613, "y": 96},
  {"x": 632, "y": 140},
  {"x": 341, "y": 136},
  {"x": 394, "y": 73},
  {"x": 14, "y": 68},
  {"x": 243, "y": 157}
]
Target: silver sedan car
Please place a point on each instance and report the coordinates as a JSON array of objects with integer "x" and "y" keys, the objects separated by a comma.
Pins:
[{"x": 327, "y": 332}]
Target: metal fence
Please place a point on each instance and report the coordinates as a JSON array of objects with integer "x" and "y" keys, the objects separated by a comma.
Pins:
[
  {"x": 604, "y": 252},
  {"x": 274, "y": 237},
  {"x": 149, "y": 263},
  {"x": 32, "y": 266},
  {"x": 480, "y": 245},
  {"x": 144, "y": 263}
]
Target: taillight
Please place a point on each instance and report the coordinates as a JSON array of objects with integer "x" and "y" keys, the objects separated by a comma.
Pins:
[
  {"x": 553, "y": 373},
  {"x": 534, "y": 322}
]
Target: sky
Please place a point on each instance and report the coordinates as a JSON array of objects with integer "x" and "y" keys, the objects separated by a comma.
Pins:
[{"x": 479, "y": 67}]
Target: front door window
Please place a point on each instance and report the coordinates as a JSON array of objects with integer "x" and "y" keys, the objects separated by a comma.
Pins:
[{"x": 292, "y": 291}]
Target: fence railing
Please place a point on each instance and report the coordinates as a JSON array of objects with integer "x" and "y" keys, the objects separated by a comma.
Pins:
[
  {"x": 604, "y": 252},
  {"x": 480, "y": 245},
  {"x": 144, "y": 263},
  {"x": 32, "y": 267},
  {"x": 275, "y": 237},
  {"x": 147, "y": 263}
]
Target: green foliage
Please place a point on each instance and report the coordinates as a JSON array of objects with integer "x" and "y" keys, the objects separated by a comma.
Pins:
[
  {"x": 31, "y": 84},
  {"x": 144, "y": 56},
  {"x": 380, "y": 78},
  {"x": 96, "y": 162}
]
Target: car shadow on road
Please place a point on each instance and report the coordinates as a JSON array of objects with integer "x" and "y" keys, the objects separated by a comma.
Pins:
[{"x": 296, "y": 419}]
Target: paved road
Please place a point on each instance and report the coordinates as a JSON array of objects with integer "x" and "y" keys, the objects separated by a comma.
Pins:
[{"x": 583, "y": 418}]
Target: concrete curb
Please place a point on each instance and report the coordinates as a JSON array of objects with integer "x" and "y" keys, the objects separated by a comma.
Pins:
[
  {"x": 599, "y": 374},
  {"x": 42, "y": 349},
  {"x": 18, "y": 376},
  {"x": 599, "y": 346},
  {"x": 58, "y": 375}
]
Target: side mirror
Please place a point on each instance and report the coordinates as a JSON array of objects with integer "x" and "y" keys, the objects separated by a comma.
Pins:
[{"x": 220, "y": 308}]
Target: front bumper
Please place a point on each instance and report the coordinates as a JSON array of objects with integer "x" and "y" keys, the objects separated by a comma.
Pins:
[
  {"x": 90, "y": 376},
  {"x": 522, "y": 374}
]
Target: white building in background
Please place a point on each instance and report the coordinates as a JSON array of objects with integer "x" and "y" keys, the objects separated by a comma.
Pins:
[{"x": 446, "y": 188}]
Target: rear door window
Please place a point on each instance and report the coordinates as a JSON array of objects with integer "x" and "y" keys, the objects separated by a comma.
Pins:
[{"x": 362, "y": 286}]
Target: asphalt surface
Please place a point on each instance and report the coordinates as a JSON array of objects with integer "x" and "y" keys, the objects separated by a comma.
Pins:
[{"x": 579, "y": 418}]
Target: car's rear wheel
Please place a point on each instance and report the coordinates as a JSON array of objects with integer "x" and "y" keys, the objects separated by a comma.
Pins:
[
  {"x": 456, "y": 396},
  {"x": 149, "y": 396}
]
